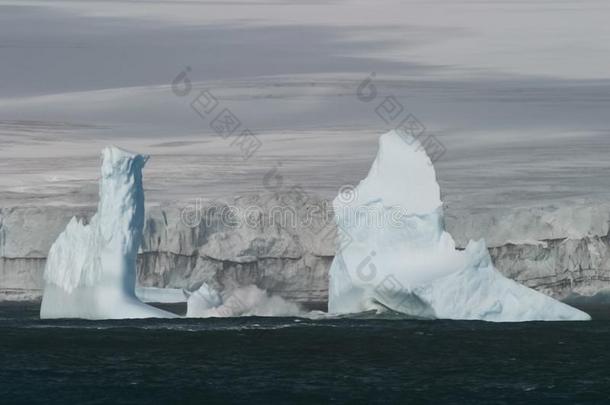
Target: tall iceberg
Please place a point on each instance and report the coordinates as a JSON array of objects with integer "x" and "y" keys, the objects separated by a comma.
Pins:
[
  {"x": 91, "y": 268},
  {"x": 397, "y": 256}
]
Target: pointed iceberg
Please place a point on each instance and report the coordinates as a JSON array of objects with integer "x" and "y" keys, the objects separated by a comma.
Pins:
[
  {"x": 91, "y": 268},
  {"x": 397, "y": 256}
]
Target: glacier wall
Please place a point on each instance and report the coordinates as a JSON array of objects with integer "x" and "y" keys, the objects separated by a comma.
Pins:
[{"x": 556, "y": 250}]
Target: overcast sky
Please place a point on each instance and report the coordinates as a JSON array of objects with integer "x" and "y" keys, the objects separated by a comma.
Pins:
[{"x": 494, "y": 80}]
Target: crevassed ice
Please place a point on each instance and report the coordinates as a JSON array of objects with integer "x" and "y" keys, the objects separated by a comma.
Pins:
[
  {"x": 409, "y": 263},
  {"x": 91, "y": 268}
]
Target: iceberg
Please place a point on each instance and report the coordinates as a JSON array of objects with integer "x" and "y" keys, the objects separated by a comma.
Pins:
[
  {"x": 396, "y": 256},
  {"x": 246, "y": 300},
  {"x": 161, "y": 295},
  {"x": 91, "y": 268}
]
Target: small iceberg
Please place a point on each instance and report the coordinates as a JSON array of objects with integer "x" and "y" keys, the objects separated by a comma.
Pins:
[
  {"x": 247, "y": 300},
  {"x": 91, "y": 268},
  {"x": 397, "y": 256}
]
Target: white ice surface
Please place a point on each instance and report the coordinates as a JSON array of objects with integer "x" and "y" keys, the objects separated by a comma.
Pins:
[
  {"x": 90, "y": 271},
  {"x": 162, "y": 295},
  {"x": 408, "y": 263},
  {"x": 242, "y": 301}
]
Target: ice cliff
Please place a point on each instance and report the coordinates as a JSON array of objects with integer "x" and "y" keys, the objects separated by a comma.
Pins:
[
  {"x": 560, "y": 251},
  {"x": 396, "y": 255},
  {"x": 91, "y": 268}
]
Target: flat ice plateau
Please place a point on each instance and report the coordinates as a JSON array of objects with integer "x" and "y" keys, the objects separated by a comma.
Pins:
[{"x": 395, "y": 253}]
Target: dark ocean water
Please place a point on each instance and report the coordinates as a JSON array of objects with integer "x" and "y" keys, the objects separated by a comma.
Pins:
[{"x": 289, "y": 360}]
